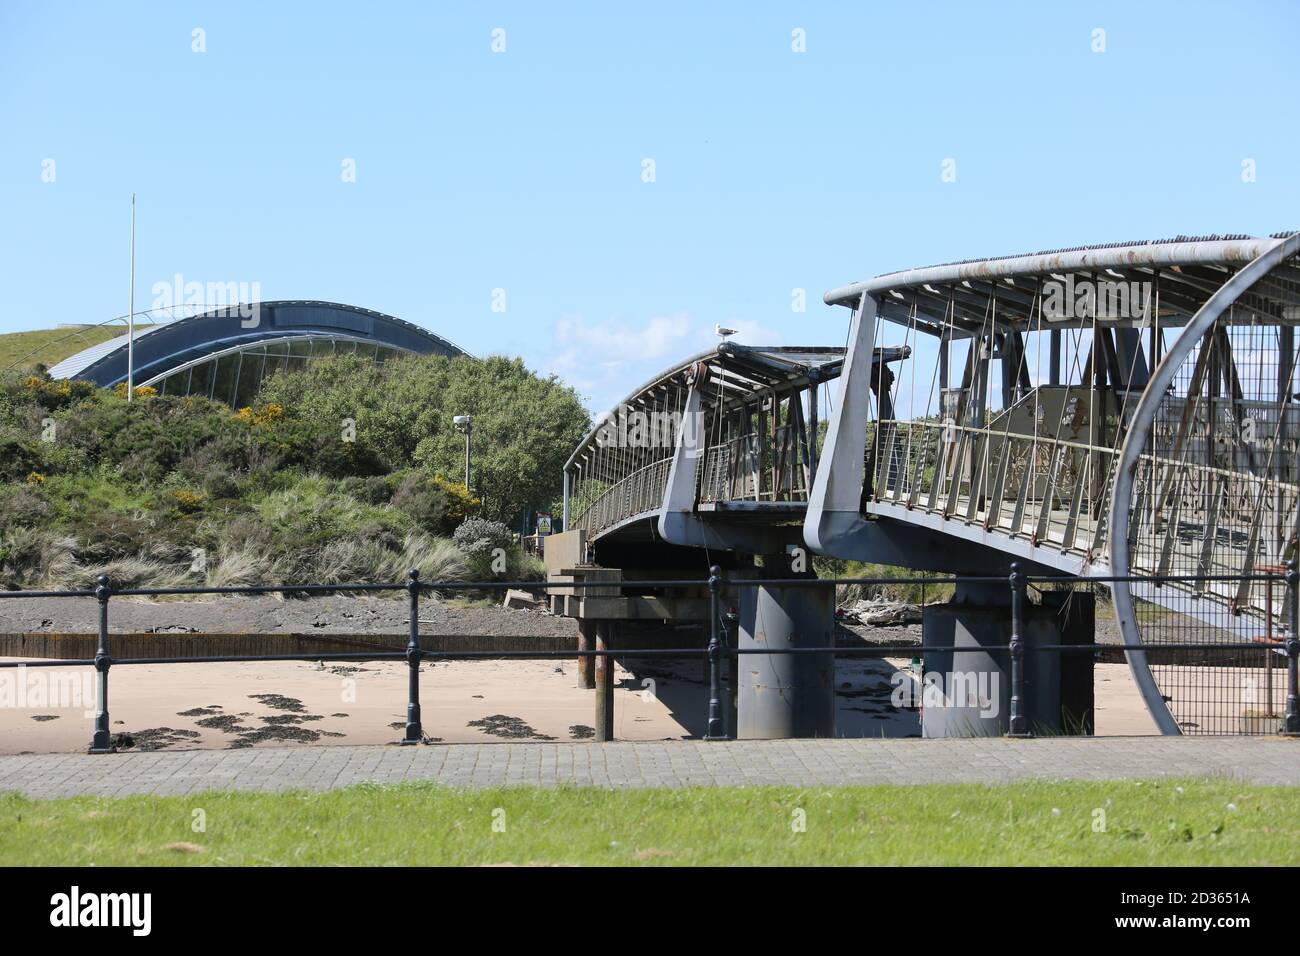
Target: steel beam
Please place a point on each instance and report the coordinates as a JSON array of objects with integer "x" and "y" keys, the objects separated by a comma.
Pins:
[{"x": 834, "y": 516}]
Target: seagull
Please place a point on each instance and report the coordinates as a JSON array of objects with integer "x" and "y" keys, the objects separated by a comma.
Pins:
[{"x": 723, "y": 332}]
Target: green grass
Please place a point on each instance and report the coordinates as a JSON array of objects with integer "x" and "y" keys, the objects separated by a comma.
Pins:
[
  {"x": 1189, "y": 822},
  {"x": 50, "y": 346},
  {"x": 73, "y": 497}
]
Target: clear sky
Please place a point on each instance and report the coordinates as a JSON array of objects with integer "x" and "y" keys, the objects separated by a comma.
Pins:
[{"x": 525, "y": 170}]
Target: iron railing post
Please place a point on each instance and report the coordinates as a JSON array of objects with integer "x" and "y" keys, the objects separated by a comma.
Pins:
[
  {"x": 102, "y": 741},
  {"x": 414, "y": 732},
  {"x": 715, "y": 731},
  {"x": 1019, "y": 723},
  {"x": 1291, "y": 722}
]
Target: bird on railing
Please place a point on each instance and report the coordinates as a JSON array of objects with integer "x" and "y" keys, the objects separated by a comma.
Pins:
[{"x": 723, "y": 332}]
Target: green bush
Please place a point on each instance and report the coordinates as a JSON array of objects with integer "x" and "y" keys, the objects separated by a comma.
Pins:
[
  {"x": 423, "y": 501},
  {"x": 481, "y": 541},
  {"x": 18, "y": 459},
  {"x": 371, "y": 489}
]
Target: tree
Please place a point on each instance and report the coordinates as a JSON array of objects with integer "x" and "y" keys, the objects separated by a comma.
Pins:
[{"x": 525, "y": 425}]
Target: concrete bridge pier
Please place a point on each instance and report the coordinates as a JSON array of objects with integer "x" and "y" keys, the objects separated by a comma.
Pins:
[{"x": 786, "y": 695}]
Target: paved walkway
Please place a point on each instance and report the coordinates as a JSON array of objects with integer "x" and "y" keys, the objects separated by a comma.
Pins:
[{"x": 657, "y": 764}]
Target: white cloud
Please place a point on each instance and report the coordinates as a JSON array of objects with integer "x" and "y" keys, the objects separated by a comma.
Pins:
[
  {"x": 605, "y": 361},
  {"x": 601, "y": 342}
]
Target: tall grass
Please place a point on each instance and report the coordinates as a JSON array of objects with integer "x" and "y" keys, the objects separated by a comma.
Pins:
[{"x": 35, "y": 559}]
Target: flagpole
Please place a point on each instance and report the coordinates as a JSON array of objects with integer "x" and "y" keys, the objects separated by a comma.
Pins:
[{"x": 130, "y": 315}]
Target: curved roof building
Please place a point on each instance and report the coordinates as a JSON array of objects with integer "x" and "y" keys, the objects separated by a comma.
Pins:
[{"x": 224, "y": 353}]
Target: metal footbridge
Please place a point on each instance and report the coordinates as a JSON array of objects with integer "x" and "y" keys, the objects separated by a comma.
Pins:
[{"x": 1117, "y": 410}]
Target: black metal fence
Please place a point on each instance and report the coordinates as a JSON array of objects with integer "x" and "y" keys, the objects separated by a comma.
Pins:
[{"x": 716, "y": 651}]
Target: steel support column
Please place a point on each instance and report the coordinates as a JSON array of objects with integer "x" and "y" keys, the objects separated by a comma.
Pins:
[{"x": 786, "y": 695}]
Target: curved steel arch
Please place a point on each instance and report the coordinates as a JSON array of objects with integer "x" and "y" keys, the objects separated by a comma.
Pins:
[
  {"x": 164, "y": 348},
  {"x": 1134, "y": 443},
  {"x": 245, "y": 347}
]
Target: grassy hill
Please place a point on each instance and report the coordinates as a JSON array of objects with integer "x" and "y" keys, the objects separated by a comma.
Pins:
[
  {"x": 337, "y": 470},
  {"x": 48, "y": 346}
]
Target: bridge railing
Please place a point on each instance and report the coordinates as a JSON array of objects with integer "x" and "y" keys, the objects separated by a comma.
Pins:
[
  {"x": 1048, "y": 490},
  {"x": 1200, "y": 648},
  {"x": 1054, "y": 493},
  {"x": 743, "y": 468},
  {"x": 756, "y": 468},
  {"x": 638, "y": 493}
]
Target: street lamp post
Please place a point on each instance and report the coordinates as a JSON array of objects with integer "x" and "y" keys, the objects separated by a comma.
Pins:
[{"x": 465, "y": 425}]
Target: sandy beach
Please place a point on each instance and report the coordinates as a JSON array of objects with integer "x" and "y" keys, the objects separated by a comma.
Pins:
[
  {"x": 184, "y": 706},
  {"x": 220, "y": 705}
]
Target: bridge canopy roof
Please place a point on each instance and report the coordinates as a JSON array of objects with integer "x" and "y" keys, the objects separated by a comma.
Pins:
[
  {"x": 735, "y": 374},
  {"x": 963, "y": 297}
]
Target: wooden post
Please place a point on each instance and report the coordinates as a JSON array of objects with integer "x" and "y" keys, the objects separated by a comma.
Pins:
[
  {"x": 586, "y": 642},
  {"x": 604, "y": 685}
]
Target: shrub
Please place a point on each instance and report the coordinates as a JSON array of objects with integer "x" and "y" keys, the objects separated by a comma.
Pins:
[
  {"x": 139, "y": 391},
  {"x": 187, "y": 501},
  {"x": 481, "y": 540},
  {"x": 46, "y": 393},
  {"x": 372, "y": 489},
  {"x": 264, "y": 416},
  {"x": 144, "y": 440},
  {"x": 23, "y": 506},
  {"x": 461, "y": 502},
  {"x": 278, "y": 490},
  {"x": 18, "y": 459},
  {"x": 424, "y": 501}
]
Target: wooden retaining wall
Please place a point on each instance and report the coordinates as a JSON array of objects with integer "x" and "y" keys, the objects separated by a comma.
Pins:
[{"x": 82, "y": 646}]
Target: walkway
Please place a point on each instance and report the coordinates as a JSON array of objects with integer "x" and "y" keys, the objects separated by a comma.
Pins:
[{"x": 658, "y": 764}]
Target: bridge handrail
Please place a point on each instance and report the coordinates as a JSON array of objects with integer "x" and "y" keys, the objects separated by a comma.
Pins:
[
  {"x": 920, "y": 475},
  {"x": 1054, "y": 441}
]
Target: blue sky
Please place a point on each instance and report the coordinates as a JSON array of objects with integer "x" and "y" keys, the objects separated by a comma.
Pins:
[{"x": 774, "y": 170}]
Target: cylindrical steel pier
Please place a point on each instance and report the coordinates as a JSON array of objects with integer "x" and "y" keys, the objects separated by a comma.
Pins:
[{"x": 786, "y": 695}]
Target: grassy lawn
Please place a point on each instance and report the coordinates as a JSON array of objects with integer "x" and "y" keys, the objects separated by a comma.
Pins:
[{"x": 1168, "y": 822}]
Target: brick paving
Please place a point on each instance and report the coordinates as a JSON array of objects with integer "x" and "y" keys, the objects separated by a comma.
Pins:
[{"x": 658, "y": 764}]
